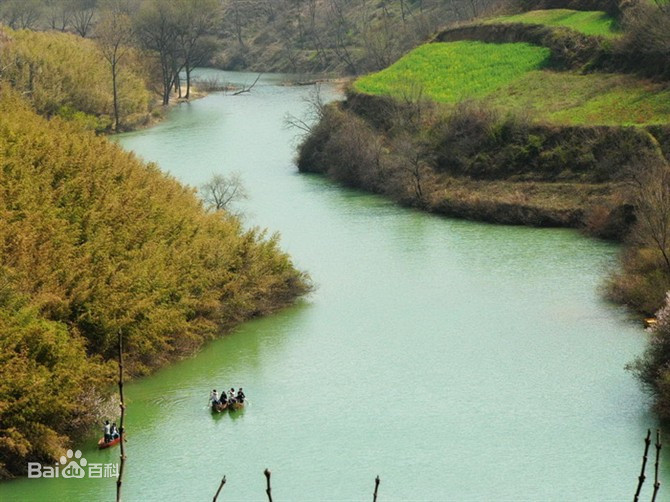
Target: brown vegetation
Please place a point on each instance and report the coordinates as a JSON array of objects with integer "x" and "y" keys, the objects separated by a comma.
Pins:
[
  {"x": 338, "y": 36},
  {"x": 475, "y": 163}
]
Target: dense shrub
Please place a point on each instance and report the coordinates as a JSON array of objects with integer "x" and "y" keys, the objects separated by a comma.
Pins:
[
  {"x": 93, "y": 241},
  {"x": 653, "y": 367},
  {"x": 474, "y": 140},
  {"x": 641, "y": 282}
]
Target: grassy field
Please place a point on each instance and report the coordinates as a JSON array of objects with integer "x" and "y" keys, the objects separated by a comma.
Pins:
[
  {"x": 451, "y": 72},
  {"x": 587, "y": 22},
  {"x": 591, "y": 99},
  {"x": 511, "y": 77}
]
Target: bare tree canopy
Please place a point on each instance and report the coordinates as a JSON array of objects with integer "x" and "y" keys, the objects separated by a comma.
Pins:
[
  {"x": 21, "y": 14},
  {"x": 114, "y": 35},
  {"x": 83, "y": 12},
  {"x": 652, "y": 207},
  {"x": 221, "y": 191}
]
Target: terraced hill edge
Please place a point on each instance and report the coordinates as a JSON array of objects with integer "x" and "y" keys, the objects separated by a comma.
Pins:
[
  {"x": 521, "y": 173},
  {"x": 612, "y": 7},
  {"x": 628, "y": 145},
  {"x": 569, "y": 49}
]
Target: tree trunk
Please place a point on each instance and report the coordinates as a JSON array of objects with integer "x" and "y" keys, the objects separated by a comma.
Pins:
[
  {"x": 116, "y": 98},
  {"x": 188, "y": 80},
  {"x": 177, "y": 85}
]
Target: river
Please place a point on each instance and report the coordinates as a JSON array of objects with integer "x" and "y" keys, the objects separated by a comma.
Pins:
[{"x": 456, "y": 360}]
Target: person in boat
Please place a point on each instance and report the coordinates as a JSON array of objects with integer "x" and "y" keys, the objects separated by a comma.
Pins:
[
  {"x": 240, "y": 396},
  {"x": 108, "y": 432},
  {"x": 214, "y": 397},
  {"x": 231, "y": 395},
  {"x": 114, "y": 431}
]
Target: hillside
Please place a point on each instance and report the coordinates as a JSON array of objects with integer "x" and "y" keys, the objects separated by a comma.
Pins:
[
  {"x": 93, "y": 242},
  {"x": 332, "y": 36},
  {"x": 514, "y": 119}
]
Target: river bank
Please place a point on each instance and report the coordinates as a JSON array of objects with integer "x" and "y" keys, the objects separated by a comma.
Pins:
[{"x": 474, "y": 163}]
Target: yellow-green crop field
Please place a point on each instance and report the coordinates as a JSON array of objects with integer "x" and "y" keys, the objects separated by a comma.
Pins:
[
  {"x": 451, "y": 72},
  {"x": 511, "y": 77}
]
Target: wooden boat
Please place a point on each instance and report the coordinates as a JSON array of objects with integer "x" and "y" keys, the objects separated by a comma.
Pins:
[
  {"x": 102, "y": 445},
  {"x": 219, "y": 407},
  {"x": 236, "y": 406}
]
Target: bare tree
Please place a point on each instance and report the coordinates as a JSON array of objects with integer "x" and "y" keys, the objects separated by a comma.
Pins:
[
  {"x": 122, "y": 407},
  {"x": 195, "y": 25},
  {"x": 340, "y": 28},
  {"x": 314, "y": 32},
  {"x": 380, "y": 41},
  {"x": 58, "y": 14},
  {"x": 114, "y": 33},
  {"x": 21, "y": 14},
  {"x": 652, "y": 208},
  {"x": 416, "y": 164},
  {"x": 221, "y": 191},
  {"x": 156, "y": 28},
  {"x": 237, "y": 12},
  {"x": 313, "y": 115},
  {"x": 83, "y": 12}
]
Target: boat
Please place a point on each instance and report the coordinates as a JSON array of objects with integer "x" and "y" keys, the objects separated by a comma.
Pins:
[
  {"x": 102, "y": 445},
  {"x": 219, "y": 407},
  {"x": 236, "y": 405}
]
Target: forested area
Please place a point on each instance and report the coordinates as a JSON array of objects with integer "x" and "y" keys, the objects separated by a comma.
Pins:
[
  {"x": 93, "y": 241},
  {"x": 336, "y": 36},
  {"x": 339, "y": 36}
]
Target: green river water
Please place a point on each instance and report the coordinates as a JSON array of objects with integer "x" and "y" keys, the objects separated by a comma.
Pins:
[{"x": 457, "y": 360}]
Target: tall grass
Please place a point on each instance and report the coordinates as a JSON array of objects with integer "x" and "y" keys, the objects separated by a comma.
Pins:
[
  {"x": 596, "y": 23},
  {"x": 452, "y": 72}
]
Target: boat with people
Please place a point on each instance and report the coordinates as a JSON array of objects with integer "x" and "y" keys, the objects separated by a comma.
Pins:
[
  {"x": 231, "y": 401},
  {"x": 111, "y": 435},
  {"x": 102, "y": 444}
]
